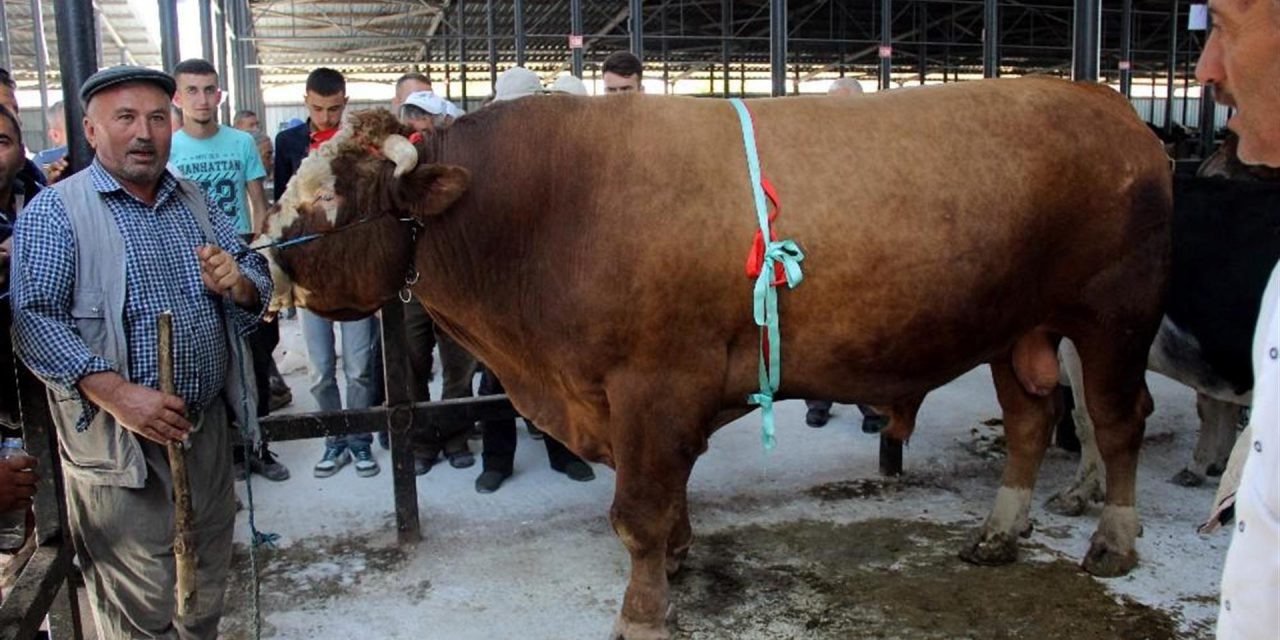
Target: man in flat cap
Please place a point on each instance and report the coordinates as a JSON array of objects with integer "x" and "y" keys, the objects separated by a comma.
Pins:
[{"x": 96, "y": 259}]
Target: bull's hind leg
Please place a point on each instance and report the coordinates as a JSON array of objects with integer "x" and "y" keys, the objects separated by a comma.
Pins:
[
  {"x": 1088, "y": 486},
  {"x": 1028, "y": 424},
  {"x": 1114, "y": 363}
]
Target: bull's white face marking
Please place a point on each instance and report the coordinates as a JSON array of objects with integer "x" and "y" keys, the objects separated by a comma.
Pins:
[
  {"x": 313, "y": 184},
  {"x": 1009, "y": 515}
]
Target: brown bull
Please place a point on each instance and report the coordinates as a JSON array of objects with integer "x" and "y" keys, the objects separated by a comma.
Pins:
[{"x": 591, "y": 252}]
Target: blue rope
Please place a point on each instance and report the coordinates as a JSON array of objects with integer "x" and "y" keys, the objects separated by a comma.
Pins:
[
  {"x": 256, "y": 538},
  {"x": 765, "y": 307}
]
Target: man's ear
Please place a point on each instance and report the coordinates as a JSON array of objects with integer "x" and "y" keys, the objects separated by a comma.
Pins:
[{"x": 432, "y": 188}]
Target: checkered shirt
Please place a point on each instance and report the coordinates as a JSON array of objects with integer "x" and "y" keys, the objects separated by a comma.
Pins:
[{"x": 162, "y": 272}]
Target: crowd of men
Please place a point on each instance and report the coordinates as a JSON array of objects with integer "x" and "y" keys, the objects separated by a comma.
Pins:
[{"x": 162, "y": 219}]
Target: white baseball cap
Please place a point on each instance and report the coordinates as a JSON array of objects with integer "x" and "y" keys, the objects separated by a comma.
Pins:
[
  {"x": 570, "y": 84},
  {"x": 516, "y": 82},
  {"x": 429, "y": 102}
]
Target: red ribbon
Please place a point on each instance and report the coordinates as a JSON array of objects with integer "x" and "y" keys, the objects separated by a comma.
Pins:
[
  {"x": 755, "y": 258},
  {"x": 320, "y": 137}
]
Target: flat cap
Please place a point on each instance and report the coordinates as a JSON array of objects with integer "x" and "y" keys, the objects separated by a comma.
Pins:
[{"x": 112, "y": 76}]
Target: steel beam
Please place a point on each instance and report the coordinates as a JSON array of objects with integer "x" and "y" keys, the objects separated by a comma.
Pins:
[
  {"x": 1126, "y": 49},
  {"x": 42, "y": 63},
  {"x": 726, "y": 33},
  {"x": 461, "y": 13},
  {"x": 519, "y": 29},
  {"x": 636, "y": 25},
  {"x": 169, "y": 51},
  {"x": 886, "y": 44},
  {"x": 575, "y": 30},
  {"x": 778, "y": 46},
  {"x": 1086, "y": 26},
  {"x": 991, "y": 39},
  {"x": 6, "y": 58},
  {"x": 1171, "y": 66},
  {"x": 493, "y": 45},
  {"x": 220, "y": 31},
  {"x": 206, "y": 30},
  {"x": 77, "y": 60}
]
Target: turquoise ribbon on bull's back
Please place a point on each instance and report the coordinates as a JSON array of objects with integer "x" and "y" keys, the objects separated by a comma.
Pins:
[{"x": 785, "y": 252}]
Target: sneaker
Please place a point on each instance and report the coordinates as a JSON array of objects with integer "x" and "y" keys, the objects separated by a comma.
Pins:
[
  {"x": 279, "y": 400},
  {"x": 461, "y": 459},
  {"x": 874, "y": 424},
  {"x": 366, "y": 466},
  {"x": 578, "y": 471},
  {"x": 266, "y": 465},
  {"x": 817, "y": 417},
  {"x": 534, "y": 432},
  {"x": 490, "y": 481},
  {"x": 335, "y": 457},
  {"x": 422, "y": 464}
]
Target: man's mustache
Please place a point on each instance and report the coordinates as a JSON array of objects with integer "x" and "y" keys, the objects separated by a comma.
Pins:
[{"x": 142, "y": 147}]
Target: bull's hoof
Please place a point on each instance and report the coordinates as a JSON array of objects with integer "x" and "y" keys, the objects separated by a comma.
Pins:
[
  {"x": 990, "y": 550},
  {"x": 626, "y": 630},
  {"x": 1187, "y": 478},
  {"x": 1105, "y": 562},
  {"x": 1067, "y": 503}
]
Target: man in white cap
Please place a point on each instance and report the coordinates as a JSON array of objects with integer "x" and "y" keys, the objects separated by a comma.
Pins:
[
  {"x": 570, "y": 84},
  {"x": 845, "y": 86},
  {"x": 1241, "y": 61},
  {"x": 515, "y": 83},
  {"x": 427, "y": 113}
]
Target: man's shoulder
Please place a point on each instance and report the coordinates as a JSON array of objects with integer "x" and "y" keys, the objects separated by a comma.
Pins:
[
  {"x": 294, "y": 134},
  {"x": 234, "y": 135}
]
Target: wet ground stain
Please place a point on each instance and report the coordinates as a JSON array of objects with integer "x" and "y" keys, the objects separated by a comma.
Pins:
[
  {"x": 305, "y": 577},
  {"x": 890, "y": 579}
]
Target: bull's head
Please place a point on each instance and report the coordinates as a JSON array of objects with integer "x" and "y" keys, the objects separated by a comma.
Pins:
[{"x": 363, "y": 195}]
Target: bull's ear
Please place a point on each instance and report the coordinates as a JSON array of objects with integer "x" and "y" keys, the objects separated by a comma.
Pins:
[{"x": 432, "y": 188}]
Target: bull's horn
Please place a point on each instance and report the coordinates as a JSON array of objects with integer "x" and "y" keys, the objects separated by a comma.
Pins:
[{"x": 399, "y": 150}]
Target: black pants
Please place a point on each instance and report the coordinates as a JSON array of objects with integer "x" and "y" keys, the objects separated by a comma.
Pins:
[
  {"x": 500, "y": 437},
  {"x": 459, "y": 368}
]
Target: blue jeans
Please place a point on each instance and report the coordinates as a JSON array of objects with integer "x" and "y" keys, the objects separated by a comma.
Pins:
[{"x": 360, "y": 362}]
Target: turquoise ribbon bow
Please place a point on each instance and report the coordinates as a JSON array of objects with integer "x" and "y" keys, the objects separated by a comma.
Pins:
[{"x": 784, "y": 252}]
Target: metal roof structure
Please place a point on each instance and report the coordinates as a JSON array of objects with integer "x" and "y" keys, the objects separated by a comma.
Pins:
[{"x": 377, "y": 39}]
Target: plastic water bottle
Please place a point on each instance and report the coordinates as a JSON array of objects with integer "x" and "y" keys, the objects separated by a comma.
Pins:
[{"x": 13, "y": 524}]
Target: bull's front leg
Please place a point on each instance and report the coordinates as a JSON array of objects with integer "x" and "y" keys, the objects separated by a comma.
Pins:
[
  {"x": 1028, "y": 421},
  {"x": 647, "y": 514}
]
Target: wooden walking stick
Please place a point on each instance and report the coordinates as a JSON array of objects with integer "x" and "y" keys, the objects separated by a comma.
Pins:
[{"x": 184, "y": 539}]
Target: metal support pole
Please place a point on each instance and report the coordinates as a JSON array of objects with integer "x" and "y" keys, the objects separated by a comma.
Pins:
[
  {"x": 42, "y": 63},
  {"x": 886, "y": 43},
  {"x": 400, "y": 423},
  {"x": 1087, "y": 23},
  {"x": 519, "y": 28},
  {"x": 575, "y": 29},
  {"x": 991, "y": 39},
  {"x": 6, "y": 58},
  {"x": 493, "y": 45},
  {"x": 461, "y": 13},
  {"x": 636, "y": 23},
  {"x": 1171, "y": 66},
  {"x": 169, "y": 51},
  {"x": 77, "y": 60},
  {"x": 778, "y": 46},
  {"x": 206, "y": 30},
  {"x": 220, "y": 32},
  {"x": 726, "y": 32},
  {"x": 1208, "y": 113},
  {"x": 1126, "y": 49}
]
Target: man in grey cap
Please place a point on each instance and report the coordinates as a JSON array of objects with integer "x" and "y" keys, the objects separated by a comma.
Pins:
[{"x": 125, "y": 224}]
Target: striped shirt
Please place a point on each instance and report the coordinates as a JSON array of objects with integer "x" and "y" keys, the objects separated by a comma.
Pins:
[{"x": 162, "y": 272}]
